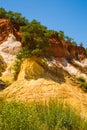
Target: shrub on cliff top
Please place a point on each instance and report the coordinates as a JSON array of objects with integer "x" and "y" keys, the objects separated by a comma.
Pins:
[
  {"x": 34, "y": 35},
  {"x": 13, "y": 16}
]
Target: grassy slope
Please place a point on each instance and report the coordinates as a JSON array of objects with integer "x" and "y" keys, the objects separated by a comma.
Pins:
[
  {"x": 34, "y": 83},
  {"x": 35, "y": 116}
]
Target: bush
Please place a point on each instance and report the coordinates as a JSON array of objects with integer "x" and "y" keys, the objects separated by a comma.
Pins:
[
  {"x": 36, "y": 38},
  {"x": 86, "y": 50},
  {"x": 3, "y": 85},
  {"x": 61, "y": 35},
  {"x": 24, "y": 53},
  {"x": 35, "y": 116},
  {"x": 2, "y": 12},
  {"x": 2, "y": 65},
  {"x": 83, "y": 83},
  {"x": 84, "y": 86},
  {"x": 16, "y": 68},
  {"x": 81, "y": 79},
  {"x": 13, "y": 16}
]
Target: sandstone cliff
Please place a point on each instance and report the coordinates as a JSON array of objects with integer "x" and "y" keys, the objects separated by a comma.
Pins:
[
  {"x": 60, "y": 48},
  {"x": 8, "y": 51},
  {"x": 64, "y": 49},
  {"x": 42, "y": 79},
  {"x": 69, "y": 57},
  {"x": 7, "y": 27}
]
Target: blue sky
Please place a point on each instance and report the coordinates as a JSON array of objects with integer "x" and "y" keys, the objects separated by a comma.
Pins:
[{"x": 69, "y": 16}]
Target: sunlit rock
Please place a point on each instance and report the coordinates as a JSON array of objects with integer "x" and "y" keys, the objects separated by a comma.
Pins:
[{"x": 10, "y": 48}]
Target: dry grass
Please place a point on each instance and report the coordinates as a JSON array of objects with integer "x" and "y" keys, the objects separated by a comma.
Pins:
[
  {"x": 42, "y": 89},
  {"x": 52, "y": 115}
]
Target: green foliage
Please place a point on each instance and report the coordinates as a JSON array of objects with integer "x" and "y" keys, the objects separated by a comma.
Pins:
[
  {"x": 69, "y": 39},
  {"x": 24, "y": 53},
  {"x": 81, "y": 79},
  {"x": 36, "y": 38},
  {"x": 83, "y": 83},
  {"x": 20, "y": 116},
  {"x": 86, "y": 50},
  {"x": 13, "y": 16},
  {"x": 2, "y": 65},
  {"x": 50, "y": 33},
  {"x": 74, "y": 43},
  {"x": 36, "y": 52},
  {"x": 3, "y": 85},
  {"x": 16, "y": 17},
  {"x": 44, "y": 62},
  {"x": 16, "y": 68},
  {"x": 2, "y": 13},
  {"x": 61, "y": 35},
  {"x": 84, "y": 86}
]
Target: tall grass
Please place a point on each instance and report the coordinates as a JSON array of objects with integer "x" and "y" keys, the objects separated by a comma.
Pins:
[{"x": 35, "y": 116}]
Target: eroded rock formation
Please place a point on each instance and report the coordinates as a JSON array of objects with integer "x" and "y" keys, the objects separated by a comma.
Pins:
[{"x": 7, "y": 27}]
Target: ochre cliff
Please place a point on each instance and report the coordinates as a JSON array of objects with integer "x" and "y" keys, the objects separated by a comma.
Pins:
[
  {"x": 42, "y": 79},
  {"x": 60, "y": 48},
  {"x": 7, "y": 27},
  {"x": 36, "y": 83},
  {"x": 64, "y": 49}
]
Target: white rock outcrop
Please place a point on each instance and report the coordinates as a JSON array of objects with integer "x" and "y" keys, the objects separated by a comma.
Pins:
[{"x": 10, "y": 48}]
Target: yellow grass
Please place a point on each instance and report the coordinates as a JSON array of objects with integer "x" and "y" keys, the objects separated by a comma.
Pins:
[{"x": 43, "y": 88}]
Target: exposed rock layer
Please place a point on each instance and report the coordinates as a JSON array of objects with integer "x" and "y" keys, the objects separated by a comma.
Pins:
[
  {"x": 37, "y": 82},
  {"x": 7, "y": 27},
  {"x": 10, "y": 48},
  {"x": 60, "y": 48},
  {"x": 63, "y": 49}
]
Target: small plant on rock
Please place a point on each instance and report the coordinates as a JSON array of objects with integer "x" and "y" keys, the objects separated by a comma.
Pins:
[
  {"x": 81, "y": 79},
  {"x": 16, "y": 68},
  {"x": 83, "y": 84}
]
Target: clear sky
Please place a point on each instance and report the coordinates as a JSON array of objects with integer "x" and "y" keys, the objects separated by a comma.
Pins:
[{"x": 69, "y": 16}]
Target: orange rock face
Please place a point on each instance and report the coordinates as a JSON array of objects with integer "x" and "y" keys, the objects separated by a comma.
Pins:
[
  {"x": 63, "y": 49},
  {"x": 7, "y": 27},
  {"x": 60, "y": 48}
]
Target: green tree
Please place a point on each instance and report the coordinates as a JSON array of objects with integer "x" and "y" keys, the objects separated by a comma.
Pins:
[
  {"x": 2, "y": 13},
  {"x": 61, "y": 35},
  {"x": 74, "y": 43},
  {"x": 50, "y": 33},
  {"x": 13, "y": 16},
  {"x": 16, "y": 17},
  {"x": 86, "y": 50},
  {"x": 9, "y": 15},
  {"x": 69, "y": 39},
  {"x": 34, "y": 36}
]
